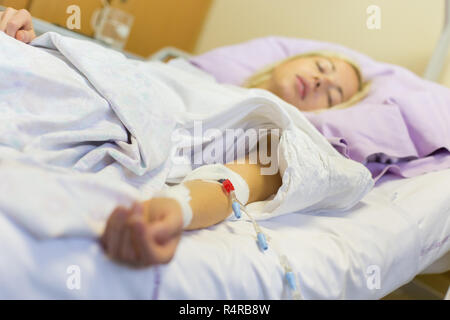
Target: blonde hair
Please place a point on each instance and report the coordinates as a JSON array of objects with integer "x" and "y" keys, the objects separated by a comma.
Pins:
[{"x": 363, "y": 89}]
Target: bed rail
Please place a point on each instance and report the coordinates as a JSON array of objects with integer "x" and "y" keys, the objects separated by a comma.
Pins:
[
  {"x": 437, "y": 61},
  {"x": 168, "y": 53}
]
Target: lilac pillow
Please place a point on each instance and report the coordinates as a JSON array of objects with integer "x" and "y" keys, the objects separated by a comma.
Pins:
[{"x": 404, "y": 120}]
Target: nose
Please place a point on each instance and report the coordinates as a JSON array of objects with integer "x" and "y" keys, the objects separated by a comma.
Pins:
[{"x": 321, "y": 82}]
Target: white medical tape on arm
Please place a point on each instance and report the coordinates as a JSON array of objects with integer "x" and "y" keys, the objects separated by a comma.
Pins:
[
  {"x": 219, "y": 171},
  {"x": 181, "y": 194}
]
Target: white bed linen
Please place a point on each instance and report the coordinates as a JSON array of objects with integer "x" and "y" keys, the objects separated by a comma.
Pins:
[
  {"x": 80, "y": 110},
  {"x": 220, "y": 262},
  {"x": 401, "y": 226}
]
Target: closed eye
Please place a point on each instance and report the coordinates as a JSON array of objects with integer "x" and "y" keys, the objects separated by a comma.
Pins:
[
  {"x": 329, "y": 65},
  {"x": 336, "y": 99},
  {"x": 321, "y": 70},
  {"x": 330, "y": 102}
]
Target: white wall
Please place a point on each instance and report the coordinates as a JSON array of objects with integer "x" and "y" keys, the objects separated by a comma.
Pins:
[{"x": 408, "y": 34}]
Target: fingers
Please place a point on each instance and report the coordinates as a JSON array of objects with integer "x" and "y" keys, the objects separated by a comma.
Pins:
[
  {"x": 149, "y": 251},
  {"x": 20, "y": 20},
  {"x": 128, "y": 251},
  {"x": 114, "y": 232},
  {"x": 17, "y": 24},
  {"x": 168, "y": 227},
  {"x": 130, "y": 238},
  {"x": 166, "y": 234},
  {"x": 25, "y": 36},
  {"x": 118, "y": 238},
  {"x": 140, "y": 239},
  {"x": 165, "y": 252},
  {"x": 6, "y": 16}
]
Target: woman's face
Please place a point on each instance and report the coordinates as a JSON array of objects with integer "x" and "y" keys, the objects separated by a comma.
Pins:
[{"x": 312, "y": 83}]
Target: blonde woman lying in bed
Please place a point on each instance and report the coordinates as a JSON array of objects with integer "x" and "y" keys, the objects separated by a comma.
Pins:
[{"x": 149, "y": 232}]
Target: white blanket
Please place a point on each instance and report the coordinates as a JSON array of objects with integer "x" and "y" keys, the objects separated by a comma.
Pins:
[{"x": 90, "y": 129}]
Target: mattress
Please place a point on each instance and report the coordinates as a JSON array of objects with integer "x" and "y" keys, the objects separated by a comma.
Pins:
[{"x": 398, "y": 230}]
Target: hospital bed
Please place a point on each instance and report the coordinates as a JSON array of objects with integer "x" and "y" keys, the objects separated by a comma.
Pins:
[
  {"x": 397, "y": 231},
  {"x": 400, "y": 229}
]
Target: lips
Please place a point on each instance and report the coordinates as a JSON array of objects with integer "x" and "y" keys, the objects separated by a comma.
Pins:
[{"x": 302, "y": 86}]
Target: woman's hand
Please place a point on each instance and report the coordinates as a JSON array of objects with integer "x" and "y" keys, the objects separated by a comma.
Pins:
[
  {"x": 17, "y": 24},
  {"x": 145, "y": 235}
]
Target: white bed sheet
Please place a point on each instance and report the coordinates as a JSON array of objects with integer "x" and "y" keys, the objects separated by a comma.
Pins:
[
  {"x": 401, "y": 227},
  {"x": 138, "y": 124}
]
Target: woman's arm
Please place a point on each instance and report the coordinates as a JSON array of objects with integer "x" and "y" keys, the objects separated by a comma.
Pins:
[
  {"x": 149, "y": 233},
  {"x": 17, "y": 24},
  {"x": 210, "y": 204}
]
